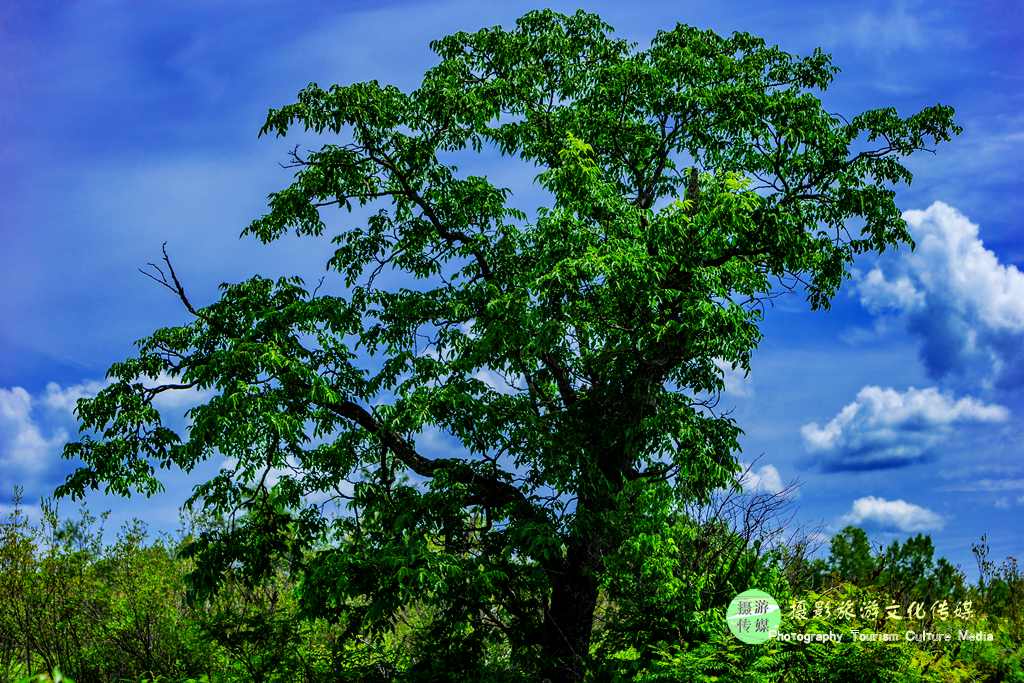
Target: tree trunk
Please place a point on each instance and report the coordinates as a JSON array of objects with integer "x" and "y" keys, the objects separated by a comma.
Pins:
[{"x": 570, "y": 616}]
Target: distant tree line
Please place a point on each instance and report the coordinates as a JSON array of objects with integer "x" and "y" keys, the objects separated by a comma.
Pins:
[{"x": 123, "y": 610}]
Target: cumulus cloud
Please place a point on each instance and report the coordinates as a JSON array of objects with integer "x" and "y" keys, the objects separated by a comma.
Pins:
[
  {"x": 898, "y": 515},
  {"x": 764, "y": 479},
  {"x": 34, "y": 429},
  {"x": 64, "y": 399},
  {"x": 885, "y": 428},
  {"x": 966, "y": 307},
  {"x": 24, "y": 448},
  {"x": 878, "y": 294}
]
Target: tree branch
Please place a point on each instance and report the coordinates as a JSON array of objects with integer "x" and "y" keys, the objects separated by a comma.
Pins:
[{"x": 487, "y": 491}]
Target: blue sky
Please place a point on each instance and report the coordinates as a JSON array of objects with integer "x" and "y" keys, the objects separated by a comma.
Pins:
[{"x": 899, "y": 409}]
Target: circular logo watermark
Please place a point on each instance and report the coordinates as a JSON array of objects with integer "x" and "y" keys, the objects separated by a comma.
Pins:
[{"x": 753, "y": 616}]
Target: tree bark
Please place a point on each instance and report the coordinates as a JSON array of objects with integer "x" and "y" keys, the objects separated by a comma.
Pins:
[{"x": 569, "y": 619}]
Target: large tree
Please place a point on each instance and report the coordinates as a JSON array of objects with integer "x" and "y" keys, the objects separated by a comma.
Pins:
[{"x": 574, "y": 355}]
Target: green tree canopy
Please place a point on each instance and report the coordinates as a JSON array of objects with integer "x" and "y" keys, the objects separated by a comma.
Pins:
[
  {"x": 687, "y": 183},
  {"x": 851, "y": 558}
]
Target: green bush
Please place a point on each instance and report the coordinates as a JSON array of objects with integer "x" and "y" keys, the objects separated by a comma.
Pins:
[{"x": 127, "y": 611}]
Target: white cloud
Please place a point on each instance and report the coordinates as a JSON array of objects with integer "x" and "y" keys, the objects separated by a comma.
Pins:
[
  {"x": 737, "y": 382},
  {"x": 951, "y": 257},
  {"x": 65, "y": 398},
  {"x": 23, "y": 446},
  {"x": 500, "y": 382},
  {"x": 175, "y": 398},
  {"x": 878, "y": 294},
  {"x": 764, "y": 479},
  {"x": 989, "y": 485},
  {"x": 892, "y": 514},
  {"x": 893, "y": 30},
  {"x": 897, "y": 28},
  {"x": 965, "y": 306},
  {"x": 34, "y": 429},
  {"x": 885, "y": 428}
]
